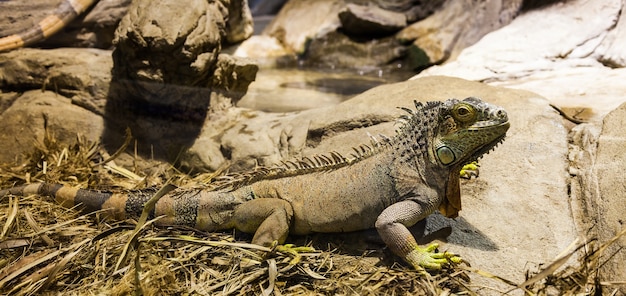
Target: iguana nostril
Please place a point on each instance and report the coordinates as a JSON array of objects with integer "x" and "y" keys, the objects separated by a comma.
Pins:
[{"x": 501, "y": 114}]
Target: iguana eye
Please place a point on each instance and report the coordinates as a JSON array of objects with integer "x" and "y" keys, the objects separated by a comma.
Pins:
[
  {"x": 445, "y": 155},
  {"x": 464, "y": 112}
]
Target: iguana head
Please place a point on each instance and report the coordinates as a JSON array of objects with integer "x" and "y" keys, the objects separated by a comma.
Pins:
[
  {"x": 448, "y": 135},
  {"x": 466, "y": 130},
  {"x": 452, "y": 133}
]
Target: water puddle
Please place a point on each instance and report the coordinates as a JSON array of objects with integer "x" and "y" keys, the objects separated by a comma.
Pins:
[{"x": 292, "y": 89}]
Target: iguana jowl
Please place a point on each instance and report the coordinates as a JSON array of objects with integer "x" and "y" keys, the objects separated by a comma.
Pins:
[{"x": 391, "y": 185}]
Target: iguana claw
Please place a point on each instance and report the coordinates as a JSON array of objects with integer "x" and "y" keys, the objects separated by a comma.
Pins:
[
  {"x": 292, "y": 251},
  {"x": 428, "y": 258},
  {"x": 470, "y": 170}
]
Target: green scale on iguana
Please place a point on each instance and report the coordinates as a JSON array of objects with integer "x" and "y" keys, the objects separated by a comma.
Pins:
[{"x": 390, "y": 184}]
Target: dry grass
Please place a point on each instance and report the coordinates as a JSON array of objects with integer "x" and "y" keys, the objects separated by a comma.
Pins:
[{"x": 47, "y": 249}]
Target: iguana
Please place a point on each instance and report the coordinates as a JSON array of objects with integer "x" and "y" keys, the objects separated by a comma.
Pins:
[
  {"x": 391, "y": 184},
  {"x": 64, "y": 13}
]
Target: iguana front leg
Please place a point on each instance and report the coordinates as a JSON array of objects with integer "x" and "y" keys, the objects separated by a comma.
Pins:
[
  {"x": 392, "y": 226},
  {"x": 470, "y": 170}
]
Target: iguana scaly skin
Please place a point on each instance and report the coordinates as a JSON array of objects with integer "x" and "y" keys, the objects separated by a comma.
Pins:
[
  {"x": 390, "y": 185},
  {"x": 65, "y": 13}
]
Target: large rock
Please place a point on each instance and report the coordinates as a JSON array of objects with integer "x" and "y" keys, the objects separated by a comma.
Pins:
[
  {"x": 159, "y": 62},
  {"x": 76, "y": 83},
  {"x": 598, "y": 155},
  {"x": 522, "y": 188},
  {"x": 370, "y": 21},
  {"x": 82, "y": 75},
  {"x": 300, "y": 21},
  {"x": 455, "y": 26},
  {"x": 572, "y": 57},
  {"x": 151, "y": 48},
  {"x": 611, "y": 50},
  {"x": 239, "y": 25},
  {"x": 34, "y": 113},
  {"x": 610, "y": 202}
]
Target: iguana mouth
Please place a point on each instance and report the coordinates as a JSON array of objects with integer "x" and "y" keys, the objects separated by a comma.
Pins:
[
  {"x": 484, "y": 149},
  {"x": 490, "y": 125}
]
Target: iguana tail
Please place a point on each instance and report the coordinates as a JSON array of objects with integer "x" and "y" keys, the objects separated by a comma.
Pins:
[
  {"x": 201, "y": 209},
  {"x": 117, "y": 205},
  {"x": 65, "y": 13}
]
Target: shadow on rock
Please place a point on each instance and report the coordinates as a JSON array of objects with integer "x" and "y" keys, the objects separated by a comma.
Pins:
[
  {"x": 457, "y": 231},
  {"x": 162, "y": 130},
  {"x": 168, "y": 76}
]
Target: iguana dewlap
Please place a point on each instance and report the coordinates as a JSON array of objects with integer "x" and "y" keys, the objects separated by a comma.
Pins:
[
  {"x": 391, "y": 185},
  {"x": 65, "y": 13}
]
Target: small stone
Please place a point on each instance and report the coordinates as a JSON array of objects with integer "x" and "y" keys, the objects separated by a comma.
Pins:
[{"x": 370, "y": 21}]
